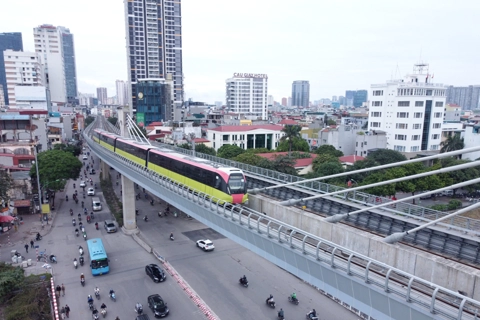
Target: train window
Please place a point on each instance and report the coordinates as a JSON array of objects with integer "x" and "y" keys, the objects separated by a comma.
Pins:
[{"x": 236, "y": 183}]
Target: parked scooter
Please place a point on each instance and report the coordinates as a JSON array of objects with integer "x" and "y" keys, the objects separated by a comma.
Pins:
[{"x": 53, "y": 258}]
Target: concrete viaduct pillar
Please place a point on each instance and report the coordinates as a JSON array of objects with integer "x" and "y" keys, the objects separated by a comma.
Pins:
[
  {"x": 128, "y": 201},
  {"x": 105, "y": 168}
]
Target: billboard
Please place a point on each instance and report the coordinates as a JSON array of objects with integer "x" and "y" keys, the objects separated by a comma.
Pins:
[{"x": 141, "y": 119}]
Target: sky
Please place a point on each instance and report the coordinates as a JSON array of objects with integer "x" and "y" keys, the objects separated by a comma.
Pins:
[{"x": 336, "y": 45}]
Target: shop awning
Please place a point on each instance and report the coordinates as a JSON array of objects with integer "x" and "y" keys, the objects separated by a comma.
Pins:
[
  {"x": 21, "y": 203},
  {"x": 6, "y": 218}
]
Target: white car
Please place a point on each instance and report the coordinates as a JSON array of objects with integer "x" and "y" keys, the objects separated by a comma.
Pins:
[
  {"x": 82, "y": 184},
  {"x": 91, "y": 192},
  {"x": 85, "y": 157},
  {"x": 206, "y": 245}
]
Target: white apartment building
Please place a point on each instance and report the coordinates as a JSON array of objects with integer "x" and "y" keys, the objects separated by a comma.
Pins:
[
  {"x": 410, "y": 111},
  {"x": 22, "y": 69},
  {"x": 246, "y": 137},
  {"x": 122, "y": 92},
  {"x": 247, "y": 95},
  {"x": 48, "y": 44}
]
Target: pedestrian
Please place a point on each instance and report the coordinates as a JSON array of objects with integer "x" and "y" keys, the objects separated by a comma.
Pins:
[
  {"x": 63, "y": 290},
  {"x": 31, "y": 244},
  {"x": 62, "y": 313},
  {"x": 26, "y": 247},
  {"x": 67, "y": 310},
  {"x": 58, "y": 289}
]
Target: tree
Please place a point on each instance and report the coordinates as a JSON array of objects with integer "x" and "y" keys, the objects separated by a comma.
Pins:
[
  {"x": 89, "y": 120},
  {"x": 55, "y": 168},
  {"x": 204, "y": 149},
  {"x": 452, "y": 143},
  {"x": 284, "y": 164},
  {"x": 329, "y": 149},
  {"x": 75, "y": 150},
  {"x": 324, "y": 158},
  {"x": 229, "y": 151},
  {"x": 298, "y": 144},
  {"x": 249, "y": 158},
  {"x": 6, "y": 183},
  {"x": 329, "y": 168},
  {"x": 386, "y": 156},
  {"x": 259, "y": 150},
  {"x": 112, "y": 120},
  {"x": 292, "y": 132}
]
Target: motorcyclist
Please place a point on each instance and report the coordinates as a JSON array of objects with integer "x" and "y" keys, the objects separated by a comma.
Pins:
[
  {"x": 294, "y": 296},
  {"x": 243, "y": 279},
  {"x": 66, "y": 197},
  {"x": 71, "y": 211},
  {"x": 76, "y": 232},
  {"x": 103, "y": 306},
  {"x": 89, "y": 298},
  {"x": 74, "y": 186},
  {"x": 38, "y": 236},
  {"x": 270, "y": 299},
  {"x": 139, "y": 308},
  {"x": 281, "y": 314},
  {"x": 95, "y": 313},
  {"x": 111, "y": 292},
  {"x": 82, "y": 278},
  {"x": 97, "y": 291},
  {"x": 96, "y": 225},
  {"x": 82, "y": 204},
  {"x": 74, "y": 221},
  {"x": 171, "y": 235},
  {"x": 75, "y": 264},
  {"x": 312, "y": 314}
]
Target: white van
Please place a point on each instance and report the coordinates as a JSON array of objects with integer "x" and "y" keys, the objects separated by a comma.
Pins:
[{"x": 96, "y": 205}]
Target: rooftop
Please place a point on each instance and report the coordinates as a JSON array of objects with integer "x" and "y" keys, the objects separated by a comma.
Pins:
[{"x": 272, "y": 127}]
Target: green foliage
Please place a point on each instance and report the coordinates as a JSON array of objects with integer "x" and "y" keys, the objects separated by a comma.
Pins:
[
  {"x": 329, "y": 149},
  {"x": 204, "y": 149},
  {"x": 439, "y": 207},
  {"x": 89, "y": 120},
  {"x": 458, "y": 176},
  {"x": 284, "y": 164},
  {"x": 112, "y": 200},
  {"x": 112, "y": 120},
  {"x": 452, "y": 143},
  {"x": 297, "y": 144},
  {"x": 329, "y": 168},
  {"x": 292, "y": 133},
  {"x": 75, "y": 150},
  {"x": 331, "y": 122},
  {"x": 56, "y": 167},
  {"x": 259, "y": 150},
  {"x": 386, "y": 156},
  {"x": 322, "y": 159},
  {"x": 249, "y": 158},
  {"x": 454, "y": 204},
  {"x": 300, "y": 155},
  {"x": 6, "y": 183},
  {"x": 229, "y": 151},
  {"x": 185, "y": 146},
  {"x": 11, "y": 279}
]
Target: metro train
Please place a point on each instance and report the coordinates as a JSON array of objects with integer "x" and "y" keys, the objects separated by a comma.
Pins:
[{"x": 221, "y": 182}]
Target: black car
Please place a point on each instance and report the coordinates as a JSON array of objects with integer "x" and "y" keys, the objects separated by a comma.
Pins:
[
  {"x": 158, "y": 306},
  {"x": 155, "y": 272}
]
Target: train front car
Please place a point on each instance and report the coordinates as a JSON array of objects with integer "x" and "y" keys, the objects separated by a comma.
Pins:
[{"x": 236, "y": 185}]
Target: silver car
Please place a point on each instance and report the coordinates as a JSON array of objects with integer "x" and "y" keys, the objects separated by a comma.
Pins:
[{"x": 110, "y": 226}]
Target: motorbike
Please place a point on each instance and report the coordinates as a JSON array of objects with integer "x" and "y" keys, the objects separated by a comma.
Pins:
[
  {"x": 145, "y": 218},
  {"x": 172, "y": 238},
  {"x": 96, "y": 225},
  {"x": 90, "y": 302},
  {"x": 293, "y": 301},
  {"x": 85, "y": 236},
  {"x": 103, "y": 312},
  {"x": 76, "y": 232},
  {"x": 82, "y": 281},
  {"x": 80, "y": 250},
  {"x": 151, "y": 202},
  {"x": 138, "y": 308},
  {"x": 97, "y": 294},
  {"x": 74, "y": 222},
  {"x": 95, "y": 315},
  {"x": 88, "y": 219},
  {"x": 82, "y": 204},
  {"x": 53, "y": 258},
  {"x": 66, "y": 198},
  {"x": 243, "y": 282},
  {"x": 81, "y": 261},
  {"x": 310, "y": 316},
  {"x": 270, "y": 303},
  {"x": 280, "y": 317},
  {"x": 38, "y": 238},
  {"x": 75, "y": 263},
  {"x": 71, "y": 212},
  {"x": 113, "y": 297}
]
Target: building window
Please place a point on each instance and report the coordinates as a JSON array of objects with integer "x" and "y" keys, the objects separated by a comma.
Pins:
[
  {"x": 437, "y": 115},
  {"x": 435, "y": 136},
  {"x": 404, "y": 103},
  {"x": 400, "y": 137},
  {"x": 437, "y": 126},
  {"x": 375, "y": 114},
  {"x": 418, "y": 115},
  {"x": 375, "y": 124},
  {"x": 376, "y": 103},
  {"x": 416, "y": 137},
  {"x": 418, "y": 103},
  {"x": 429, "y": 92},
  {"x": 402, "y": 114},
  {"x": 378, "y": 92},
  {"x": 401, "y": 126},
  {"x": 414, "y": 148},
  {"x": 435, "y": 147},
  {"x": 214, "y": 136},
  {"x": 399, "y": 148},
  {"x": 417, "y": 126},
  {"x": 439, "y": 104}
]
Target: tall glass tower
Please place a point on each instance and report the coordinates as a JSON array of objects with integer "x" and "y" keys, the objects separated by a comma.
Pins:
[
  {"x": 13, "y": 41},
  {"x": 301, "y": 93},
  {"x": 154, "y": 44},
  {"x": 69, "y": 64}
]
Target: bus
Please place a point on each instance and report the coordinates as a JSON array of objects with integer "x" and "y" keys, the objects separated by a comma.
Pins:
[{"x": 98, "y": 257}]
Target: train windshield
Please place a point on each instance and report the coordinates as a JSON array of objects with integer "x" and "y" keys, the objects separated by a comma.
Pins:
[{"x": 236, "y": 183}]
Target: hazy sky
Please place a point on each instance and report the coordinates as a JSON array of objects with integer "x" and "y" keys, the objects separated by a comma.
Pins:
[{"x": 336, "y": 45}]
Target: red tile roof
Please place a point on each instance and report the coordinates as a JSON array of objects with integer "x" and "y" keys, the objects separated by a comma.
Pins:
[
  {"x": 155, "y": 124},
  {"x": 288, "y": 122},
  {"x": 350, "y": 159},
  {"x": 201, "y": 140},
  {"x": 273, "y": 127}
]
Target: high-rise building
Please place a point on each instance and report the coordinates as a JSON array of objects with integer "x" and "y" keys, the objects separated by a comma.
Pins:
[
  {"x": 102, "y": 95},
  {"x": 122, "y": 92},
  {"x": 468, "y": 98},
  {"x": 23, "y": 69},
  {"x": 410, "y": 111},
  {"x": 301, "y": 93},
  {"x": 247, "y": 94},
  {"x": 360, "y": 98},
  {"x": 284, "y": 102},
  {"x": 12, "y": 41},
  {"x": 154, "y": 101},
  {"x": 154, "y": 44},
  {"x": 68, "y": 48},
  {"x": 349, "y": 95},
  {"x": 48, "y": 43}
]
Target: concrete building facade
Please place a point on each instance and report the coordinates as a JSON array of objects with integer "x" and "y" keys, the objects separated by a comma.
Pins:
[
  {"x": 8, "y": 41},
  {"x": 410, "y": 111},
  {"x": 468, "y": 98},
  {"x": 154, "y": 44},
  {"x": 369, "y": 140},
  {"x": 301, "y": 93},
  {"x": 246, "y": 137},
  {"x": 102, "y": 95},
  {"x": 122, "y": 92},
  {"x": 341, "y": 137},
  {"x": 246, "y": 94}
]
